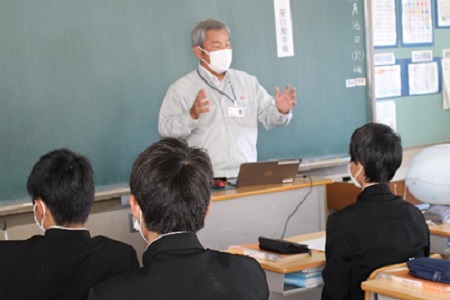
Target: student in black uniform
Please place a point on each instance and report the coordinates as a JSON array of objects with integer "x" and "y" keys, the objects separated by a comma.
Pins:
[
  {"x": 170, "y": 186},
  {"x": 380, "y": 228},
  {"x": 66, "y": 261}
]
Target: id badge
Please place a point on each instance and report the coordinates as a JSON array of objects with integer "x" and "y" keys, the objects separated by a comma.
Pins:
[{"x": 236, "y": 111}]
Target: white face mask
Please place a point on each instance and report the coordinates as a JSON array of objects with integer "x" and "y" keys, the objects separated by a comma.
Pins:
[
  {"x": 40, "y": 225},
  {"x": 220, "y": 60},
  {"x": 137, "y": 226},
  {"x": 355, "y": 182}
]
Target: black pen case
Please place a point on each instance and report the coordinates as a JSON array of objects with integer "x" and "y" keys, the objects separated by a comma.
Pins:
[{"x": 281, "y": 246}]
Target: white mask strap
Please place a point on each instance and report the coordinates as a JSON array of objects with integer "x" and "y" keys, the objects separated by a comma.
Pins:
[
  {"x": 138, "y": 226},
  {"x": 44, "y": 210}
]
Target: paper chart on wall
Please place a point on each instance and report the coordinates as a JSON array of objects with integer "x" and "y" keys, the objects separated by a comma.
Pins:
[
  {"x": 446, "y": 83},
  {"x": 388, "y": 81},
  {"x": 423, "y": 78},
  {"x": 443, "y": 13},
  {"x": 384, "y": 23},
  {"x": 417, "y": 22},
  {"x": 386, "y": 113}
]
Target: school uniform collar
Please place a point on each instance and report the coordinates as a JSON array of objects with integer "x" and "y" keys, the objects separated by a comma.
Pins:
[
  {"x": 173, "y": 242},
  {"x": 67, "y": 234},
  {"x": 377, "y": 192}
]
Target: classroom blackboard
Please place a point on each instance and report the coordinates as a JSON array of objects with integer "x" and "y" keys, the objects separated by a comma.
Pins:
[{"x": 90, "y": 75}]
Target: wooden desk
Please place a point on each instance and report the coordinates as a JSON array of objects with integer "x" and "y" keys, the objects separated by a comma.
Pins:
[
  {"x": 240, "y": 215},
  {"x": 275, "y": 270},
  {"x": 439, "y": 239},
  {"x": 300, "y": 182},
  {"x": 342, "y": 194},
  {"x": 396, "y": 290}
]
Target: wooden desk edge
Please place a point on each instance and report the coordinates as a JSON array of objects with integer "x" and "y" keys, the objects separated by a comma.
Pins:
[
  {"x": 103, "y": 195},
  {"x": 441, "y": 229},
  {"x": 317, "y": 259},
  {"x": 397, "y": 290},
  {"x": 109, "y": 193},
  {"x": 266, "y": 189},
  {"x": 379, "y": 286}
]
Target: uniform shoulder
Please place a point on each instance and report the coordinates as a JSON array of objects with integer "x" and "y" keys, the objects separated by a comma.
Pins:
[
  {"x": 238, "y": 258},
  {"x": 114, "y": 287},
  {"x": 22, "y": 243},
  {"x": 115, "y": 244}
]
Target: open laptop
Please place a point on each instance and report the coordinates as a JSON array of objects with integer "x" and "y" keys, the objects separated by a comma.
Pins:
[{"x": 266, "y": 172}]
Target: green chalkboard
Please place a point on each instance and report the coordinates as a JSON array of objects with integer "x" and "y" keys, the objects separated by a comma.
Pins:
[{"x": 90, "y": 75}]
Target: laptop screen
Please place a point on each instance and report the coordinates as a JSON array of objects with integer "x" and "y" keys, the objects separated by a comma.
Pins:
[{"x": 267, "y": 172}]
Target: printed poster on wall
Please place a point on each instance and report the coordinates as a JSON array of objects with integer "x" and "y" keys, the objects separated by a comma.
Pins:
[
  {"x": 384, "y": 23},
  {"x": 446, "y": 83},
  {"x": 423, "y": 78},
  {"x": 443, "y": 13},
  {"x": 417, "y": 22},
  {"x": 388, "y": 81}
]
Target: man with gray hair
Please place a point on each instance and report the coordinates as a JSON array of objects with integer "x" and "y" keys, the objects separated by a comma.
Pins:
[{"x": 218, "y": 108}]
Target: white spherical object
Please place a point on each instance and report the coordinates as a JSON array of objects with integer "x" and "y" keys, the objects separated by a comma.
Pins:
[{"x": 428, "y": 177}]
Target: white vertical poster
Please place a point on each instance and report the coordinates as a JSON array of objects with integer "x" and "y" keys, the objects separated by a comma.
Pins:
[
  {"x": 384, "y": 23},
  {"x": 446, "y": 83},
  {"x": 423, "y": 78},
  {"x": 443, "y": 13},
  {"x": 283, "y": 28},
  {"x": 385, "y": 111},
  {"x": 388, "y": 81}
]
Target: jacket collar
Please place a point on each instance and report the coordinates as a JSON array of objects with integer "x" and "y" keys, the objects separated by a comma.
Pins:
[
  {"x": 211, "y": 77},
  {"x": 180, "y": 241},
  {"x": 378, "y": 192},
  {"x": 67, "y": 234}
]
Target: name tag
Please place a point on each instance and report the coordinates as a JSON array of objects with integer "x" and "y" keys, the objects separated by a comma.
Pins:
[{"x": 236, "y": 111}]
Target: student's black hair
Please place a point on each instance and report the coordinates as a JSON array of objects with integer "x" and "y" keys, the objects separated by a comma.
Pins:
[
  {"x": 172, "y": 183},
  {"x": 64, "y": 181},
  {"x": 378, "y": 148}
]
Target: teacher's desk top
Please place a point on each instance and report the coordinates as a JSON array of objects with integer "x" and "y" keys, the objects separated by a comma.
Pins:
[{"x": 228, "y": 193}]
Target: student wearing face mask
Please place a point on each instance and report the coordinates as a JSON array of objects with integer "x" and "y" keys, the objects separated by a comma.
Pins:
[
  {"x": 170, "y": 185},
  {"x": 380, "y": 228},
  {"x": 66, "y": 261},
  {"x": 218, "y": 108}
]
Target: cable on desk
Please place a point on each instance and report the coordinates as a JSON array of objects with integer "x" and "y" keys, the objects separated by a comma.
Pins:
[{"x": 298, "y": 205}]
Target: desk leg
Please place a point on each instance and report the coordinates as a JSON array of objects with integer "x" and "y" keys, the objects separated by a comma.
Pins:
[{"x": 308, "y": 294}]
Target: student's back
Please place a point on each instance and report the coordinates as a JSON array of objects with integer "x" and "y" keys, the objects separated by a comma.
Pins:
[
  {"x": 178, "y": 267},
  {"x": 170, "y": 186},
  {"x": 380, "y": 228},
  {"x": 64, "y": 265},
  {"x": 66, "y": 262}
]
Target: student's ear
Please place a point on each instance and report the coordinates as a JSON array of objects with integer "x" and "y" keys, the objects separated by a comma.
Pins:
[
  {"x": 207, "y": 210},
  {"x": 362, "y": 173},
  {"x": 49, "y": 221},
  {"x": 135, "y": 208},
  {"x": 38, "y": 210}
]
